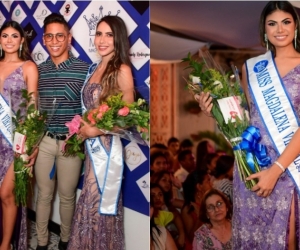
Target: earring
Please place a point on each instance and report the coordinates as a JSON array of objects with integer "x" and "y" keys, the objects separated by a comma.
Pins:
[
  {"x": 0, "y": 50},
  {"x": 295, "y": 39},
  {"x": 266, "y": 41},
  {"x": 20, "y": 50}
]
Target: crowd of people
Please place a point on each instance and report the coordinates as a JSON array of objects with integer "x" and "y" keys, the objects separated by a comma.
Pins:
[
  {"x": 61, "y": 79},
  {"x": 191, "y": 197}
]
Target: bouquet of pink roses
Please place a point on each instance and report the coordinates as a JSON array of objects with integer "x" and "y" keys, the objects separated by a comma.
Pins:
[{"x": 115, "y": 117}]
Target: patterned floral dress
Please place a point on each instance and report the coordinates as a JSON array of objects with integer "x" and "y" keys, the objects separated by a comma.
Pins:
[
  {"x": 262, "y": 223},
  {"x": 205, "y": 240},
  {"x": 90, "y": 230},
  {"x": 12, "y": 87}
]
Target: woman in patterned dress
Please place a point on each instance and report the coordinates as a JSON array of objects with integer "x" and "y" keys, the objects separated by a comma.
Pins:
[
  {"x": 268, "y": 215},
  {"x": 91, "y": 228},
  {"x": 215, "y": 233},
  {"x": 16, "y": 73}
]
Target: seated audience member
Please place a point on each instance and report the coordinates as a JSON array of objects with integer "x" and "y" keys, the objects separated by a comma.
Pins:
[
  {"x": 164, "y": 180},
  {"x": 160, "y": 238},
  {"x": 223, "y": 174},
  {"x": 186, "y": 144},
  {"x": 158, "y": 162},
  {"x": 173, "y": 146},
  {"x": 210, "y": 161},
  {"x": 171, "y": 219},
  {"x": 194, "y": 187},
  {"x": 216, "y": 232},
  {"x": 187, "y": 163},
  {"x": 158, "y": 146},
  {"x": 203, "y": 148}
]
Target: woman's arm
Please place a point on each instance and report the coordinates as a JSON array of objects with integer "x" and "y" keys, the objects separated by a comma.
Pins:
[
  {"x": 170, "y": 244},
  {"x": 31, "y": 76},
  {"x": 189, "y": 223},
  {"x": 125, "y": 81},
  {"x": 268, "y": 178},
  {"x": 179, "y": 225}
]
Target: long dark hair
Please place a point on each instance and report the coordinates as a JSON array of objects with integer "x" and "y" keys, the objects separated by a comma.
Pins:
[
  {"x": 269, "y": 9},
  {"x": 201, "y": 152},
  {"x": 189, "y": 186},
  {"x": 224, "y": 164},
  {"x": 155, "y": 179},
  {"x": 109, "y": 80},
  {"x": 153, "y": 227},
  {"x": 25, "y": 51}
]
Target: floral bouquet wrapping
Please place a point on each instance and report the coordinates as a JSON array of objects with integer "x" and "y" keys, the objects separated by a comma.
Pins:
[
  {"x": 115, "y": 117},
  {"x": 230, "y": 113},
  {"x": 28, "y": 132}
]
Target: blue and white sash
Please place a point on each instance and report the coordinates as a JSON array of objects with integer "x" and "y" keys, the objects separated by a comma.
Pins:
[
  {"x": 108, "y": 166},
  {"x": 274, "y": 106},
  {"x": 5, "y": 120}
]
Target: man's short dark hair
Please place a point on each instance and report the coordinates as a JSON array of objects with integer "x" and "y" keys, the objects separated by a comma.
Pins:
[
  {"x": 56, "y": 18},
  {"x": 172, "y": 139},
  {"x": 183, "y": 154}
]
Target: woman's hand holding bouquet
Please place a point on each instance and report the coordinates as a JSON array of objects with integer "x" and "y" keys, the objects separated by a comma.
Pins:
[
  {"x": 222, "y": 98},
  {"x": 28, "y": 132},
  {"x": 114, "y": 117}
]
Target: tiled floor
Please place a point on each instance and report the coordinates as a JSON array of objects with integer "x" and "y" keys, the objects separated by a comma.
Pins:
[{"x": 32, "y": 241}]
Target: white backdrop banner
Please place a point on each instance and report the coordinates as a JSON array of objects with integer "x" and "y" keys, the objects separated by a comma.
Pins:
[{"x": 82, "y": 17}]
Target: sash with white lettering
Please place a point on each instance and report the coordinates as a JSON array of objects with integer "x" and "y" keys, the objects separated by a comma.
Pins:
[
  {"x": 5, "y": 120},
  {"x": 108, "y": 166},
  {"x": 274, "y": 105}
]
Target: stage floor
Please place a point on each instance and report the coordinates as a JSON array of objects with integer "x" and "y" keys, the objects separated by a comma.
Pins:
[{"x": 32, "y": 240}]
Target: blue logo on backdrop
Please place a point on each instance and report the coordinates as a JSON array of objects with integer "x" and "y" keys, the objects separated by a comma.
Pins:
[
  {"x": 260, "y": 66},
  {"x": 93, "y": 21}
]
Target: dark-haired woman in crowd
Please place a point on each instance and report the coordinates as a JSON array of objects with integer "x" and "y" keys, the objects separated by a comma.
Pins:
[
  {"x": 167, "y": 215},
  {"x": 164, "y": 180},
  {"x": 216, "y": 232},
  {"x": 194, "y": 187},
  {"x": 203, "y": 148},
  {"x": 160, "y": 238},
  {"x": 16, "y": 73},
  {"x": 223, "y": 174}
]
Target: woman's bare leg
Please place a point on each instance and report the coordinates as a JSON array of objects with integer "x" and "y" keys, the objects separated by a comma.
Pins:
[
  {"x": 9, "y": 209},
  {"x": 292, "y": 230}
]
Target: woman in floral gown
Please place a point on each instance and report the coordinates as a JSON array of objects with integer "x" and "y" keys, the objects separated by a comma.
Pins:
[
  {"x": 96, "y": 226},
  {"x": 15, "y": 74}
]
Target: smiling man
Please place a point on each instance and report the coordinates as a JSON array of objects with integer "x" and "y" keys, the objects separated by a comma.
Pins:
[{"x": 60, "y": 80}]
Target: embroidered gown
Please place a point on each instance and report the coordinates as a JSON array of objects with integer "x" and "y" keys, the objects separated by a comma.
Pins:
[
  {"x": 262, "y": 223},
  {"x": 90, "y": 230},
  {"x": 12, "y": 87}
]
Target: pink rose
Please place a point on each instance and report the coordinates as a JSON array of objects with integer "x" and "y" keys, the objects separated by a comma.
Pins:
[
  {"x": 143, "y": 129},
  {"x": 123, "y": 111},
  {"x": 103, "y": 108},
  {"x": 74, "y": 125},
  {"x": 99, "y": 116}
]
